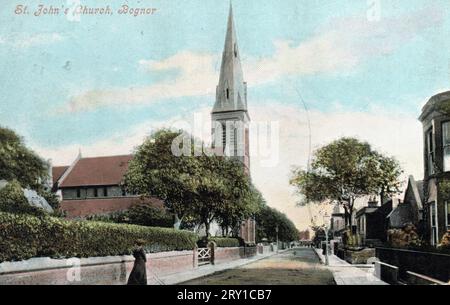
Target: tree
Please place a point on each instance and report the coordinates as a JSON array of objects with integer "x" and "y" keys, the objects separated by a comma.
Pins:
[
  {"x": 268, "y": 219},
  {"x": 156, "y": 171},
  {"x": 239, "y": 208},
  {"x": 345, "y": 170},
  {"x": 19, "y": 163},
  {"x": 385, "y": 173},
  {"x": 195, "y": 184}
]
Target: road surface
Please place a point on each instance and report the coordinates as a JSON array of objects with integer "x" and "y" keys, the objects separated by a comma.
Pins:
[{"x": 293, "y": 267}]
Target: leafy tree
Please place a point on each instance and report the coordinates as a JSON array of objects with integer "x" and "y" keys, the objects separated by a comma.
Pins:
[
  {"x": 19, "y": 163},
  {"x": 345, "y": 170},
  {"x": 156, "y": 171},
  {"x": 243, "y": 204},
  {"x": 197, "y": 186},
  {"x": 224, "y": 192},
  {"x": 385, "y": 173},
  {"x": 268, "y": 219}
]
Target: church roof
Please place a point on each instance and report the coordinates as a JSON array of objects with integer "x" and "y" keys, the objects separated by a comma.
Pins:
[
  {"x": 231, "y": 92},
  {"x": 98, "y": 171},
  {"x": 57, "y": 172}
]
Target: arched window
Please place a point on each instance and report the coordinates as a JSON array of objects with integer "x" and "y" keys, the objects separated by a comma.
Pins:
[{"x": 228, "y": 94}]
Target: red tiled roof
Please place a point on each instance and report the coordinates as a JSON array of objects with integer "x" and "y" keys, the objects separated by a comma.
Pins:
[
  {"x": 57, "y": 172},
  {"x": 97, "y": 171}
]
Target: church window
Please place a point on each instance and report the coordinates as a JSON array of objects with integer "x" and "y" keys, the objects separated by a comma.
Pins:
[
  {"x": 78, "y": 193},
  {"x": 446, "y": 145},
  {"x": 235, "y": 50},
  {"x": 430, "y": 152},
  {"x": 105, "y": 192},
  {"x": 224, "y": 136},
  {"x": 228, "y": 94},
  {"x": 95, "y": 192}
]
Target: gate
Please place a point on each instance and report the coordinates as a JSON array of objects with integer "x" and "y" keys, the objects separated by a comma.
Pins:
[{"x": 204, "y": 256}]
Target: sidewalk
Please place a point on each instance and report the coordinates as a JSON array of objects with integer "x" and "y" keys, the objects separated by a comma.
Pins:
[
  {"x": 202, "y": 271},
  {"x": 347, "y": 274}
]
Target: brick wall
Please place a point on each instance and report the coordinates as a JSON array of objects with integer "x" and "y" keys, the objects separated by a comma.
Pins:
[{"x": 98, "y": 271}]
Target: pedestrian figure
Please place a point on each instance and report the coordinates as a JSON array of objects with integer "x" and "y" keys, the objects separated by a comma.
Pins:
[{"x": 138, "y": 275}]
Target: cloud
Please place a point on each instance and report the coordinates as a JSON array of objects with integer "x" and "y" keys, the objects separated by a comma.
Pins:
[
  {"x": 23, "y": 40},
  {"x": 399, "y": 136},
  {"x": 196, "y": 76},
  {"x": 339, "y": 46}
]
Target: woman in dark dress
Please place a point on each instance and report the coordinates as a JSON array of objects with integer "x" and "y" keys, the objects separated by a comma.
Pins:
[{"x": 138, "y": 275}]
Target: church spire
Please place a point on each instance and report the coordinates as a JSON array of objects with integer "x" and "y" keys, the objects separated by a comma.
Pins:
[{"x": 231, "y": 93}]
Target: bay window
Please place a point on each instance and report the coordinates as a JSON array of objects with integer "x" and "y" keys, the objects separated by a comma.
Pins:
[
  {"x": 434, "y": 224},
  {"x": 446, "y": 145},
  {"x": 430, "y": 152}
]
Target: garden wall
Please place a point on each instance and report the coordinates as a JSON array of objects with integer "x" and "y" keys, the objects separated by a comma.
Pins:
[
  {"x": 434, "y": 265},
  {"x": 112, "y": 270}
]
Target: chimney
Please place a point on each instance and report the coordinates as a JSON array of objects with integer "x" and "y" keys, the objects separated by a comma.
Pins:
[{"x": 373, "y": 202}]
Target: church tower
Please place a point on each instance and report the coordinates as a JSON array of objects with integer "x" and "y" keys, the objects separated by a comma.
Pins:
[{"x": 230, "y": 119}]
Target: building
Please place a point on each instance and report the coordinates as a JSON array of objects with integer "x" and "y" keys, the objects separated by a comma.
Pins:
[
  {"x": 91, "y": 186},
  {"x": 372, "y": 222},
  {"x": 304, "y": 235},
  {"x": 435, "y": 119},
  {"x": 410, "y": 211},
  {"x": 337, "y": 222},
  {"x": 230, "y": 118}
]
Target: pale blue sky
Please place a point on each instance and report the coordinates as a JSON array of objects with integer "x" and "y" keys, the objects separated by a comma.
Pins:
[
  {"x": 104, "y": 52},
  {"x": 99, "y": 83}
]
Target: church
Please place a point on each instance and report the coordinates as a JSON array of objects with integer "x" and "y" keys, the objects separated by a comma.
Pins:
[{"x": 91, "y": 186}]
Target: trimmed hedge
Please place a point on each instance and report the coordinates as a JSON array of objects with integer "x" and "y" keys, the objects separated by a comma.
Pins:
[
  {"x": 24, "y": 236},
  {"x": 222, "y": 242}
]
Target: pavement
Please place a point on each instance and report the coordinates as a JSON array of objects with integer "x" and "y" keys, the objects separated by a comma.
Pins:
[
  {"x": 348, "y": 274},
  {"x": 206, "y": 270}
]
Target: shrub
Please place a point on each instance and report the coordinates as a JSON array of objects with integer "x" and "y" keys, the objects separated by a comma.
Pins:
[
  {"x": 25, "y": 236},
  {"x": 445, "y": 243},
  {"x": 404, "y": 238},
  {"x": 12, "y": 200},
  {"x": 141, "y": 215},
  {"x": 221, "y": 242},
  {"x": 148, "y": 215}
]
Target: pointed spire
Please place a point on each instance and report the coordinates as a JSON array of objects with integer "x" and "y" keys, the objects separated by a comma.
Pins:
[{"x": 231, "y": 93}]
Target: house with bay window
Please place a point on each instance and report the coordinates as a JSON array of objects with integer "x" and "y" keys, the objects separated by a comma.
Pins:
[{"x": 435, "y": 119}]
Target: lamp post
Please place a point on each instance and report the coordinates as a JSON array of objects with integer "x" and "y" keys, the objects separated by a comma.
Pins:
[
  {"x": 276, "y": 230},
  {"x": 326, "y": 219}
]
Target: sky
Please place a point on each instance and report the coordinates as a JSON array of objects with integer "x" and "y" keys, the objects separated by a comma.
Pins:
[{"x": 101, "y": 83}]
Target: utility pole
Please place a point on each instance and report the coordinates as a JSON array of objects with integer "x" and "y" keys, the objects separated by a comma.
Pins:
[{"x": 325, "y": 221}]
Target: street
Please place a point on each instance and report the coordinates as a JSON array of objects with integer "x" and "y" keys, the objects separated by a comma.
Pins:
[{"x": 294, "y": 267}]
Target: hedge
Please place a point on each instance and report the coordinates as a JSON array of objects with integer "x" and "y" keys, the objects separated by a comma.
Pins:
[
  {"x": 24, "y": 236},
  {"x": 222, "y": 242}
]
